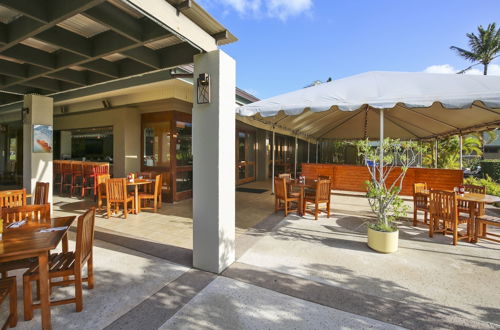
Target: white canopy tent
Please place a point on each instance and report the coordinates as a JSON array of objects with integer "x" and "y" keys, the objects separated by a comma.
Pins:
[{"x": 372, "y": 105}]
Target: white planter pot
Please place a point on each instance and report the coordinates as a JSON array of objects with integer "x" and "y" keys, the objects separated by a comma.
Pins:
[{"x": 381, "y": 241}]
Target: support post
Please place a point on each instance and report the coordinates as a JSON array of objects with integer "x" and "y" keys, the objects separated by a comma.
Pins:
[
  {"x": 308, "y": 149},
  {"x": 317, "y": 151},
  {"x": 37, "y": 163},
  {"x": 296, "y": 146},
  {"x": 213, "y": 160},
  {"x": 460, "y": 138},
  {"x": 272, "y": 168},
  {"x": 435, "y": 153},
  {"x": 381, "y": 143}
]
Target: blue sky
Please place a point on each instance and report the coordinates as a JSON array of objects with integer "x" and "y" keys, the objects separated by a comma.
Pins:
[{"x": 286, "y": 44}]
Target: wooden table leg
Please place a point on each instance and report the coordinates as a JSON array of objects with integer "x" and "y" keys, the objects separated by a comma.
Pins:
[
  {"x": 136, "y": 187},
  {"x": 44, "y": 289}
]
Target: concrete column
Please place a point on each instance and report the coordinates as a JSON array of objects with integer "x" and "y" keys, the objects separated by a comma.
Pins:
[
  {"x": 213, "y": 165},
  {"x": 65, "y": 144},
  {"x": 36, "y": 166}
]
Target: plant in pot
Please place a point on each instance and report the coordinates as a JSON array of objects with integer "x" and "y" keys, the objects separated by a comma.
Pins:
[{"x": 387, "y": 165}]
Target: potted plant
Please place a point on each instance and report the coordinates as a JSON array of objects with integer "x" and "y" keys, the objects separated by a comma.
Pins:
[{"x": 393, "y": 157}]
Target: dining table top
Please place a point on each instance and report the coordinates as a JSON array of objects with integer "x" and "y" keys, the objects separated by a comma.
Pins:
[
  {"x": 473, "y": 197},
  {"x": 31, "y": 239},
  {"x": 137, "y": 182}
]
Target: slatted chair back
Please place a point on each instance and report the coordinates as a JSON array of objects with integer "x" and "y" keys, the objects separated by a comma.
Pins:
[
  {"x": 77, "y": 168},
  {"x": 85, "y": 236},
  {"x": 443, "y": 206},
  {"x": 57, "y": 167},
  {"x": 66, "y": 167},
  {"x": 101, "y": 183},
  {"x": 32, "y": 213},
  {"x": 464, "y": 206},
  {"x": 12, "y": 198},
  {"x": 419, "y": 188},
  {"x": 323, "y": 190},
  {"x": 101, "y": 168},
  {"x": 41, "y": 193},
  {"x": 116, "y": 190},
  {"x": 280, "y": 188},
  {"x": 286, "y": 176},
  {"x": 420, "y": 201},
  {"x": 88, "y": 169}
]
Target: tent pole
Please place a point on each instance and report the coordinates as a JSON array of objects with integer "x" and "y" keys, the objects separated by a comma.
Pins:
[
  {"x": 308, "y": 148},
  {"x": 381, "y": 144},
  {"x": 436, "y": 153},
  {"x": 272, "y": 167},
  {"x": 295, "y": 163},
  {"x": 317, "y": 148},
  {"x": 461, "y": 151}
]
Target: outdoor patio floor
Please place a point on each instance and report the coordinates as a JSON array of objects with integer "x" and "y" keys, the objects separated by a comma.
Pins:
[{"x": 290, "y": 273}]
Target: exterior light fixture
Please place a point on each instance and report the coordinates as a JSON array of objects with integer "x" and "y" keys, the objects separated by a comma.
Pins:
[{"x": 203, "y": 88}]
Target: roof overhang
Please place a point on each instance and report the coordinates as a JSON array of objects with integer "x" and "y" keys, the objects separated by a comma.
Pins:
[{"x": 53, "y": 46}]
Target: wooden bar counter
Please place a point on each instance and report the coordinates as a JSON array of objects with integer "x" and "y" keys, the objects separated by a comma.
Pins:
[{"x": 353, "y": 177}]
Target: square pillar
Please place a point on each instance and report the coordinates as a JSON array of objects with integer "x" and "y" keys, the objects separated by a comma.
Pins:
[
  {"x": 213, "y": 165},
  {"x": 37, "y": 166}
]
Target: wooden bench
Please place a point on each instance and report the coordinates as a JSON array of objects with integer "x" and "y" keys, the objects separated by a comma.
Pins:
[{"x": 482, "y": 224}]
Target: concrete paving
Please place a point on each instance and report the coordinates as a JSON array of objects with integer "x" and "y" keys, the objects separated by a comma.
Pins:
[
  {"x": 461, "y": 280},
  {"x": 123, "y": 279},
  {"x": 230, "y": 304}
]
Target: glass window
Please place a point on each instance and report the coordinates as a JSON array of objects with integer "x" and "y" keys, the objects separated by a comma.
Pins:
[
  {"x": 157, "y": 144},
  {"x": 184, "y": 155}
]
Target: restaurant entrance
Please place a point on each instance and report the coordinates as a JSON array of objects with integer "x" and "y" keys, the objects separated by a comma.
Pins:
[
  {"x": 245, "y": 156},
  {"x": 166, "y": 149}
]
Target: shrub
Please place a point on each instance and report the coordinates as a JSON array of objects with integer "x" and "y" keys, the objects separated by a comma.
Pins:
[
  {"x": 492, "y": 188},
  {"x": 491, "y": 168}
]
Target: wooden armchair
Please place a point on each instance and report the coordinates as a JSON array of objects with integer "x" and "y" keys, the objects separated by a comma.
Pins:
[
  {"x": 8, "y": 287},
  {"x": 12, "y": 198},
  {"x": 155, "y": 196},
  {"x": 65, "y": 264},
  {"x": 464, "y": 206},
  {"x": 444, "y": 216},
  {"x": 281, "y": 194},
  {"x": 116, "y": 193},
  {"x": 320, "y": 195},
  {"x": 41, "y": 193},
  {"x": 101, "y": 188},
  {"x": 420, "y": 201}
]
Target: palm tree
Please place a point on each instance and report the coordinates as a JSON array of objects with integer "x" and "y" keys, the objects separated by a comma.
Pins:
[{"x": 484, "y": 47}]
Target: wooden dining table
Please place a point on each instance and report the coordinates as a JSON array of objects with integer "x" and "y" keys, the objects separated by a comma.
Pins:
[
  {"x": 136, "y": 183},
  {"x": 28, "y": 241},
  {"x": 302, "y": 187}
]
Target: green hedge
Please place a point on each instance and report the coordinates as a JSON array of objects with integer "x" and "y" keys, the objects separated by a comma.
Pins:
[
  {"x": 492, "y": 188},
  {"x": 491, "y": 168}
]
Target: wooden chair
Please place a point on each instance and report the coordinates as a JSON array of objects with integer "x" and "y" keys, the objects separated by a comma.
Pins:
[
  {"x": 101, "y": 188},
  {"x": 12, "y": 198},
  {"x": 281, "y": 194},
  {"x": 57, "y": 174},
  {"x": 66, "y": 175},
  {"x": 464, "y": 206},
  {"x": 37, "y": 213},
  {"x": 286, "y": 176},
  {"x": 482, "y": 224},
  {"x": 41, "y": 193},
  {"x": 320, "y": 195},
  {"x": 420, "y": 202},
  {"x": 155, "y": 196},
  {"x": 65, "y": 264},
  {"x": 8, "y": 287},
  {"x": 77, "y": 177},
  {"x": 88, "y": 178},
  {"x": 116, "y": 193},
  {"x": 443, "y": 206}
]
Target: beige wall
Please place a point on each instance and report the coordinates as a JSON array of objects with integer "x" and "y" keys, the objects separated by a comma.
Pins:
[{"x": 126, "y": 123}]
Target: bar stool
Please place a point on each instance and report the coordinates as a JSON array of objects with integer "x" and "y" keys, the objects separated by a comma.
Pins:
[
  {"x": 57, "y": 174},
  {"x": 89, "y": 175},
  {"x": 76, "y": 173},
  {"x": 65, "y": 174}
]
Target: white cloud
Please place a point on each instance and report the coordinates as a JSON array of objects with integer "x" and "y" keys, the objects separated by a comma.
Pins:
[
  {"x": 281, "y": 9},
  {"x": 493, "y": 69}
]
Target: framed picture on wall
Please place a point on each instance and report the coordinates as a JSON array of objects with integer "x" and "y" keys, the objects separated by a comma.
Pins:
[{"x": 42, "y": 138}]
